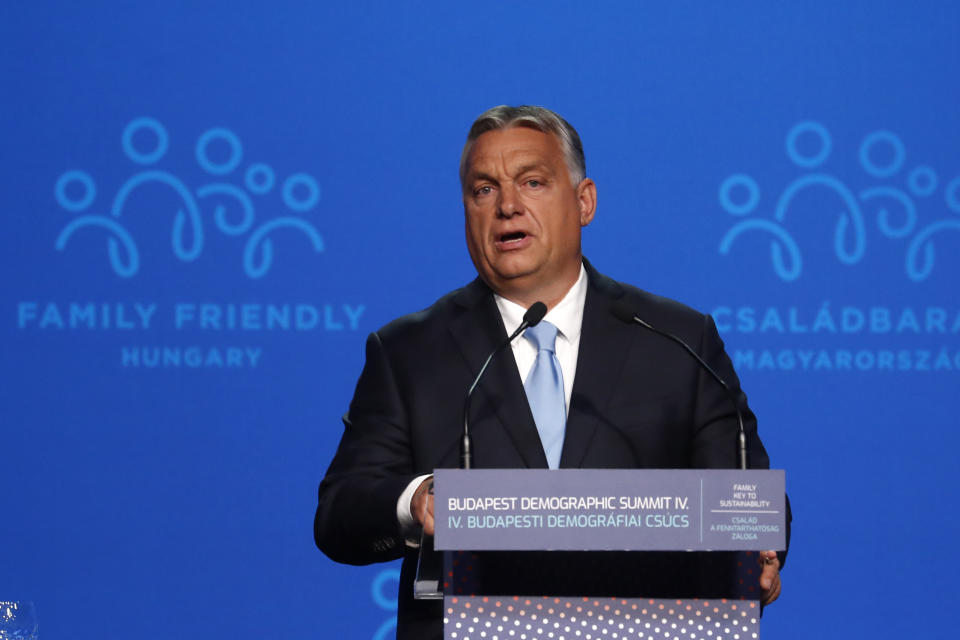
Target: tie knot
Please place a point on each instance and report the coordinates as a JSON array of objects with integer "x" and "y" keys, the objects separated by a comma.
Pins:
[{"x": 543, "y": 336}]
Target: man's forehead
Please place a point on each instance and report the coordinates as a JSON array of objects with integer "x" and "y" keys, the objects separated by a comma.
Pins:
[{"x": 516, "y": 147}]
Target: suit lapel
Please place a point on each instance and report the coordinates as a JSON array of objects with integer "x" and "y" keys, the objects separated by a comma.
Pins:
[
  {"x": 604, "y": 342},
  {"x": 477, "y": 332}
]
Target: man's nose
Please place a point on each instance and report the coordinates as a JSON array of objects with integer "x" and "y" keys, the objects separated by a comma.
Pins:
[{"x": 509, "y": 203}]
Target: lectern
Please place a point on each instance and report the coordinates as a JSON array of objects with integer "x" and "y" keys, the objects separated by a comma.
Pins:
[{"x": 582, "y": 554}]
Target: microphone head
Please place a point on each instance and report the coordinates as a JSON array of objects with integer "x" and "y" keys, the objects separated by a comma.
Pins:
[
  {"x": 535, "y": 314},
  {"x": 622, "y": 310}
]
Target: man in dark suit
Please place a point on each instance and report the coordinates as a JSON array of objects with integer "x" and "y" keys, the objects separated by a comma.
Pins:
[{"x": 632, "y": 398}]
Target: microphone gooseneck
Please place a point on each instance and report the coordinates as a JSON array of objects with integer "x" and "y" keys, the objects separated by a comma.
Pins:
[
  {"x": 531, "y": 318},
  {"x": 623, "y": 311}
]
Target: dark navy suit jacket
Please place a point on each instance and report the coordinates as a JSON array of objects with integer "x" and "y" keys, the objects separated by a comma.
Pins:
[{"x": 638, "y": 401}]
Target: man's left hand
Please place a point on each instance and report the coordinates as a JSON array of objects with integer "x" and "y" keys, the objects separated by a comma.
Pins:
[{"x": 769, "y": 577}]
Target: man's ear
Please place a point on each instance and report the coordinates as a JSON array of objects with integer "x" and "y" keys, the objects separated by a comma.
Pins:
[{"x": 587, "y": 199}]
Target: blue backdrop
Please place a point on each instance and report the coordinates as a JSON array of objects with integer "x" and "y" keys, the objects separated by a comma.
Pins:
[{"x": 207, "y": 206}]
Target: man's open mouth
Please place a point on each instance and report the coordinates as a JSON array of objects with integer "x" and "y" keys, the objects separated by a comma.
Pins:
[{"x": 513, "y": 236}]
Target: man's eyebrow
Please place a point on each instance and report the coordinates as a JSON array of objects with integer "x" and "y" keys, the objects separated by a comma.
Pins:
[
  {"x": 533, "y": 166},
  {"x": 476, "y": 174},
  {"x": 473, "y": 176}
]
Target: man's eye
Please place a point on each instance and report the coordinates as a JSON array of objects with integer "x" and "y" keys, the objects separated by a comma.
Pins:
[
  {"x": 534, "y": 183},
  {"x": 482, "y": 191}
]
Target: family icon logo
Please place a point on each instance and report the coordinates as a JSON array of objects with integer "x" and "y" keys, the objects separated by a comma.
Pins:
[
  {"x": 75, "y": 191},
  {"x": 200, "y": 204},
  {"x": 385, "y": 601},
  {"x": 882, "y": 155}
]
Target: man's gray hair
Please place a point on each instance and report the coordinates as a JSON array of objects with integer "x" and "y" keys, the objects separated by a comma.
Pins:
[{"x": 532, "y": 117}]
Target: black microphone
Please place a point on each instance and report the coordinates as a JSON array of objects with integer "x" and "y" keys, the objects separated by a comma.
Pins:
[
  {"x": 623, "y": 311},
  {"x": 428, "y": 583},
  {"x": 531, "y": 318}
]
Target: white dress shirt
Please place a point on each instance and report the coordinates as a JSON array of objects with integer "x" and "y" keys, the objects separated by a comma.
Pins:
[{"x": 567, "y": 317}]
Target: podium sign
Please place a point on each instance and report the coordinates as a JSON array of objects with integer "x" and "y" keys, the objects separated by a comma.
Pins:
[{"x": 609, "y": 510}]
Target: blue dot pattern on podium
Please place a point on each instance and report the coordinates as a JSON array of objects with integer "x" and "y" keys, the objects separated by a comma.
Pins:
[{"x": 546, "y": 618}]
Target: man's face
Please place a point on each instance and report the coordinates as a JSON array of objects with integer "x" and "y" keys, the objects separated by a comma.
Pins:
[{"x": 523, "y": 216}]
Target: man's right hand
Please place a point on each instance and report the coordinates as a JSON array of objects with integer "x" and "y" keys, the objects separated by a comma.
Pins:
[{"x": 421, "y": 506}]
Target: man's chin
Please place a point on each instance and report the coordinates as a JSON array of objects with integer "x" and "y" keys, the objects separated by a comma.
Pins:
[
  {"x": 513, "y": 277},
  {"x": 512, "y": 285},
  {"x": 514, "y": 266}
]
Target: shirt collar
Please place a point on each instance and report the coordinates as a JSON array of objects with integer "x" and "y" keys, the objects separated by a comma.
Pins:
[{"x": 567, "y": 316}]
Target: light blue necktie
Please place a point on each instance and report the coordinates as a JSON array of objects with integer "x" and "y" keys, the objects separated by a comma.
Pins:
[{"x": 544, "y": 387}]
